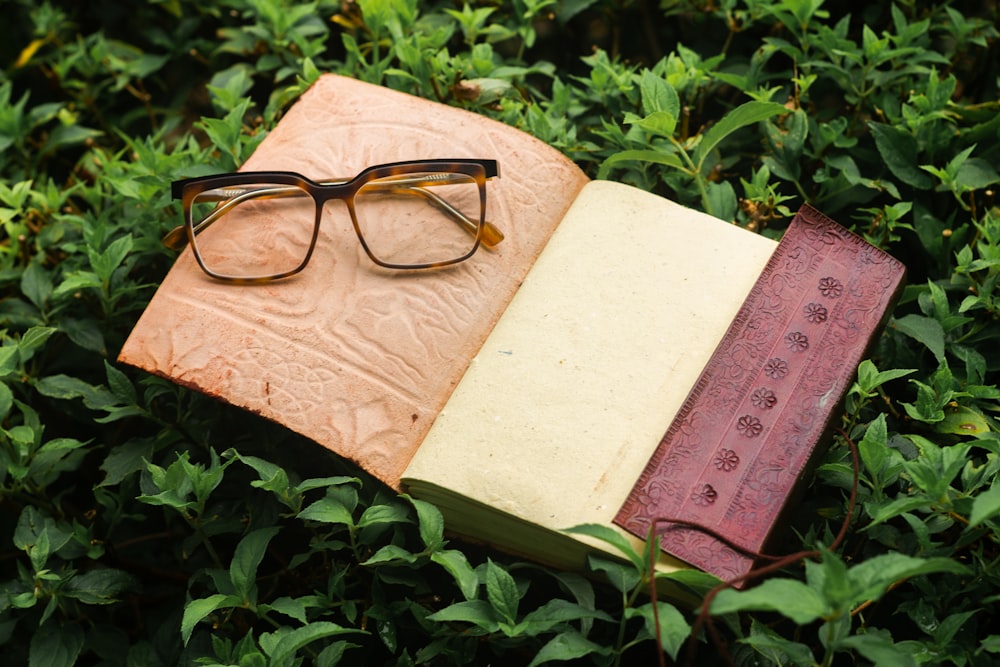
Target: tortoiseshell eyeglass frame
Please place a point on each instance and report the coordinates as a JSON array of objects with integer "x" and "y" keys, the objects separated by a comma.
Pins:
[{"x": 343, "y": 189}]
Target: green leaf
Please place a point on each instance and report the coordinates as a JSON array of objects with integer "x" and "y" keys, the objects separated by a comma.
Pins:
[
  {"x": 777, "y": 649},
  {"x": 322, "y": 482},
  {"x": 568, "y": 645},
  {"x": 39, "y": 536},
  {"x": 935, "y": 469},
  {"x": 991, "y": 644},
  {"x": 75, "y": 282},
  {"x": 658, "y": 95},
  {"x": 120, "y": 385},
  {"x": 69, "y": 135},
  {"x": 65, "y": 387},
  {"x": 272, "y": 478},
  {"x": 870, "y": 378},
  {"x": 674, "y": 628},
  {"x": 196, "y": 610},
  {"x": 613, "y": 537},
  {"x": 328, "y": 510},
  {"x": 6, "y": 400},
  {"x": 85, "y": 332},
  {"x": 873, "y": 577},
  {"x": 792, "y": 599},
  {"x": 721, "y": 200},
  {"x": 876, "y": 645},
  {"x": 292, "y": 607},
  {"x": 55, "y": 456},
  {"x": 283, "y": 645},
  {"x": 32, "y": 340},
  {"x": 477, "y": 612},
  {"x": 174, "y": 484},
  {"x": 36, "y": 284},
  {"x": 125, "y": 460},
  {"x": 384, "y": 513},
  {"x": 55, "y": 645},
  {"x": 246, "y": 559},
  {"x": 924, "y": 330},
  {"x": 976, "y": 174},
  {"x": 105, "y": 263},
  {"x": 872, "y": 447},
  {"x": 623, "y": 576},
  {"x": 556, "y": 612},
  {"x": 390, "y": 553},
  {"x": 928, "y": 406},
  {"x": 743, "y": 115},
  {"x": 830, "y": 578},
  {"x": 641, "y": 155},
  {"x": 986, "y": 505},
  {"x": 100, "y": 586},
  {"x": 501, "y": 591},
  {"x": 458, "y": 566},
  {"x": 962, "y": 420},
  {"x": 897, "y": 507},
  {"x": 430, "y": 522},
  {"x": 659, "y": 123},
  {"x": 952, "y": 625},
  {"x": 8, "y": 359},
  {"x": 899, "y": 151}
]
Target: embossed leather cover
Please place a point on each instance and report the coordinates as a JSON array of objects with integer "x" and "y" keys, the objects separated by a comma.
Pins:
[
  {"x": 358, "y": 358},
  {"x": 746, "y": 433}
]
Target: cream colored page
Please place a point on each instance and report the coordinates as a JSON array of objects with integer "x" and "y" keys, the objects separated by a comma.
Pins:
[{"x": 576, "y": 385}]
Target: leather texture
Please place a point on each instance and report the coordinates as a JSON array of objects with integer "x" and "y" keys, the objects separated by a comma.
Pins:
[
  {"x": 746, "y": 435},
  {"x": 359, "y": 358}
]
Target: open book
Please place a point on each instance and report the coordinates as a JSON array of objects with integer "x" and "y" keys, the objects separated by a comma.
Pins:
[{"x": 523, "y": 391}]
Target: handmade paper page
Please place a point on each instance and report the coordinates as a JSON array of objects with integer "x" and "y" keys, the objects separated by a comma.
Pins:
[
  {"x": 574, "y": 388},
  {"x": 357, "y": 357}
]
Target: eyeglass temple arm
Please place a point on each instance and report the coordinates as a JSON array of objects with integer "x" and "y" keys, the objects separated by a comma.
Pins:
[{"x": 177, "y": 238}]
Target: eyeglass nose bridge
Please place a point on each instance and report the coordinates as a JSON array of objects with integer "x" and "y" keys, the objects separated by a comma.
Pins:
[{"x": 334, "y": 197}]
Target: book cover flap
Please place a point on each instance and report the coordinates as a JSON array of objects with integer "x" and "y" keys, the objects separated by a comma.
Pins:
[
  {"x": 746, "y": 434},
  {"x": 353, "y": 356}
]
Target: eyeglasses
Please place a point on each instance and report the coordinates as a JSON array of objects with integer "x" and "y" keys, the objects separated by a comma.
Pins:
[{"x": 261, "y": 226}]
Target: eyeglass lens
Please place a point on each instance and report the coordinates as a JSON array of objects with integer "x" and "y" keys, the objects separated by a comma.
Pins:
[
  {"x": 419, "y": 218},
  {"x": 263, "y": 230},
  {"x": 258, "y": 230}
]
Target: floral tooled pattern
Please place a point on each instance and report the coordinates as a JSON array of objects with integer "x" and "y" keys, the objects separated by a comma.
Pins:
[
  {"x": 747, "y": 505},
  {"x": 830, "y": 287},
  {"x": 704, "y": 496},
  {"x": 763, "y": 398},
  {"x": 815, "y": 313},
  {"x": 797, "y": 341},
  {"x": 749, "y": 426},
  {"x": 776, "y": 368},
  {"x": 726, "y": 460}
]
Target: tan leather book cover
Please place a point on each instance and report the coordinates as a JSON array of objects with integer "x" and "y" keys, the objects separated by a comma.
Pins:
[{"x": 359, "y": 358}]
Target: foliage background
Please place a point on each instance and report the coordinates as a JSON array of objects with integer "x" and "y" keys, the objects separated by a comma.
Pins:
[{"x": 143, "y": 524}]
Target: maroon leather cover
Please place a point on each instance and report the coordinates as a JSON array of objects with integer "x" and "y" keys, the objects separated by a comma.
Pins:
[{"x": 743, "y": 438}]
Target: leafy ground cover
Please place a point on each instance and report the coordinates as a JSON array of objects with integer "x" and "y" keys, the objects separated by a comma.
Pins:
[{"x": 143, "y": 524}]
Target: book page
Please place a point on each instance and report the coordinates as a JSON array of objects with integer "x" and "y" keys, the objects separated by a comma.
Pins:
[
  {"x": 579, "y": 380},
  {"x": 356, "y": 357}
]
